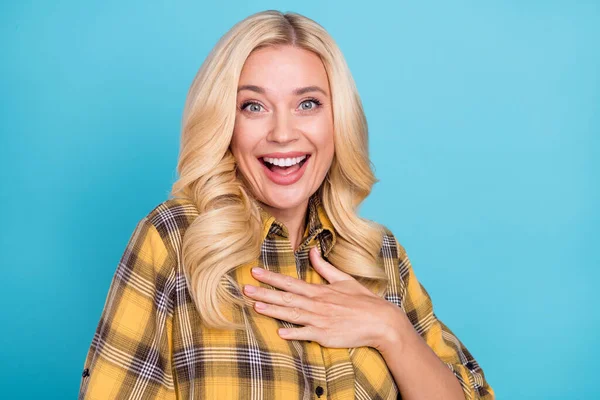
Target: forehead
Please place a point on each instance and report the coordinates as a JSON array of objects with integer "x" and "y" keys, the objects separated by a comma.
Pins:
[{"x": 283, "y": 67}]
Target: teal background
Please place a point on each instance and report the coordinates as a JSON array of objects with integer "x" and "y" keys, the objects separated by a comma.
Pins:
[{"x": 484, "y": 132}]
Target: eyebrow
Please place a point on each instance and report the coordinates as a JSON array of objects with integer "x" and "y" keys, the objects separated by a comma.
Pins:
[{"x": 297, "y": 92}]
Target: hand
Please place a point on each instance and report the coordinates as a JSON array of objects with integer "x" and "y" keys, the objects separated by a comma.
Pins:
[{"x": 341, "y": 314}]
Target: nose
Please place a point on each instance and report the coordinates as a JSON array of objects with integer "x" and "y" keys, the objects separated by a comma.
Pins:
[{"x": 282, "y": 129}]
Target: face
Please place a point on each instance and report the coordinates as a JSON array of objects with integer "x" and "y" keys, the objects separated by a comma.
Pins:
[{"x": 283, "y": 134}]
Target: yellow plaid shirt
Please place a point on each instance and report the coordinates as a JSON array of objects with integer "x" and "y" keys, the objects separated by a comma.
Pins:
[{"x": 150, "y": 342}]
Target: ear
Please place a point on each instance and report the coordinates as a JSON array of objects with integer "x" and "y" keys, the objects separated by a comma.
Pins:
[{"x": 326, "y": 269}]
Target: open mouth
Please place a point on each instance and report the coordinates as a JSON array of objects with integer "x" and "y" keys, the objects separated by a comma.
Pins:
[{"x": 277, "y": 168}]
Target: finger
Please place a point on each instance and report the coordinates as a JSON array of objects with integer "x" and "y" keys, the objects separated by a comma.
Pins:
[
  {"x": 284, "y": 282},
  {"x": 326, "y": 269},
  {"x": 303, "y": 333},
  {"x": 279, "y": 297},
  {"x": 294, "y": 315}
]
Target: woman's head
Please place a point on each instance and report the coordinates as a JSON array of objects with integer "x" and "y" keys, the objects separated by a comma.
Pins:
[
  {"x": 284, "y": 116},
  {"x": 213, "y": 125},
  {"x": 282, "y": 63}
]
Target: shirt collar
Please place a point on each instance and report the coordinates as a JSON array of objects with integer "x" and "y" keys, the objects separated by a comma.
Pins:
[{"x": 318, "y": 223}]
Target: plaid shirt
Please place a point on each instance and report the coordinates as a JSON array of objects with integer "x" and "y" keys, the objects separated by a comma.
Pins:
[{"x": 150, "y": 342}]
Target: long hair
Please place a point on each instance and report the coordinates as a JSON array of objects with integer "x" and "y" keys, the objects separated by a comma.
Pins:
[{"x": 227, "y": 232}]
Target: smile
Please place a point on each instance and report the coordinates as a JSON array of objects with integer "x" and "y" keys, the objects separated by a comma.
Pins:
[{"x": 284, "y": 171}]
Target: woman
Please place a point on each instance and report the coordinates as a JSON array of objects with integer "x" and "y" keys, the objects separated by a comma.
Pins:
[{"x": 258, "y": 279}]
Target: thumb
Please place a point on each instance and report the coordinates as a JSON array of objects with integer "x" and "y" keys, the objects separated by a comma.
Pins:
[{"x": 326, "y": 269}]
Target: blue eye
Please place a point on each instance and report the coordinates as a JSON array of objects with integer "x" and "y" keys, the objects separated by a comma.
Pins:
[
  {"x": 254, "y": 107},
  {"x": 315, "y": 104}
]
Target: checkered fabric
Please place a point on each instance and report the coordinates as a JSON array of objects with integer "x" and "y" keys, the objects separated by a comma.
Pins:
[{"x": 150, "y": 342}]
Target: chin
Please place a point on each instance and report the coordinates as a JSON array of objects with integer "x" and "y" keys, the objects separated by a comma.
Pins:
[{"x": 285, "y": 199}]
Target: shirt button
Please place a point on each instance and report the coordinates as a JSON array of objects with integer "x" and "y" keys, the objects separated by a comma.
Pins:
[
  {"x": 86, "y": 372},
  {"x": 319, "y": 391}
]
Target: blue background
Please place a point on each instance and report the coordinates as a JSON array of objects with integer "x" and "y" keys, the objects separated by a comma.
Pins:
[{"x": 484, "y": 132}]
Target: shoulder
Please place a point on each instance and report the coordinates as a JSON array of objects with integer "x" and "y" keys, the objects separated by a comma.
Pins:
[
  {"x": 171, "y": 218},
  {"x": 390, "y": 245},
  {"x": 397, "y": 266},
  {"x": 177, "y": 213}
]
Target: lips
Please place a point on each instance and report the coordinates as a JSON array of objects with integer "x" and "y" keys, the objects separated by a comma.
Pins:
[
  {"x": 287, "y": 179},
  {"x": 273, "y": 166},
  {"x": 291, "y": 154}
]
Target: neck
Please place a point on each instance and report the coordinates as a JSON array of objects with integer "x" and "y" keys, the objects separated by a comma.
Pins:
[{"x": 294, "y": 220}]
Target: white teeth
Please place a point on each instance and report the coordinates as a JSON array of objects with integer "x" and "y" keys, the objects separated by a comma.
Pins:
[{"x": 284, "y": 162}]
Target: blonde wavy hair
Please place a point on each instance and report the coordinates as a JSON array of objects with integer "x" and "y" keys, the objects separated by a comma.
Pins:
[{"x": 227, "y": 232}]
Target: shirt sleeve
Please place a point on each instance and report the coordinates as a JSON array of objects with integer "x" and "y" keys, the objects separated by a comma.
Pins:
[
  {"x": 131, "y": 353},
  {"x": 417, "y": 305}
]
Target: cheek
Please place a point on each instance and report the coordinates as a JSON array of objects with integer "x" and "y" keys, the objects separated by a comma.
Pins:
[
  {"x": 323, "y": 137},
  {"x": 241, "y": 141},
  {"x": 234, "y": 146}
]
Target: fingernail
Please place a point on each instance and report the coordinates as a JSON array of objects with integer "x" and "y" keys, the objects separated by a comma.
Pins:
[
  {"x": 260, "y": 306},
  {"x": 250, "y": 289},
  {"x": 257, "y": 271},
  {"x": 283, "y": 332}
]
